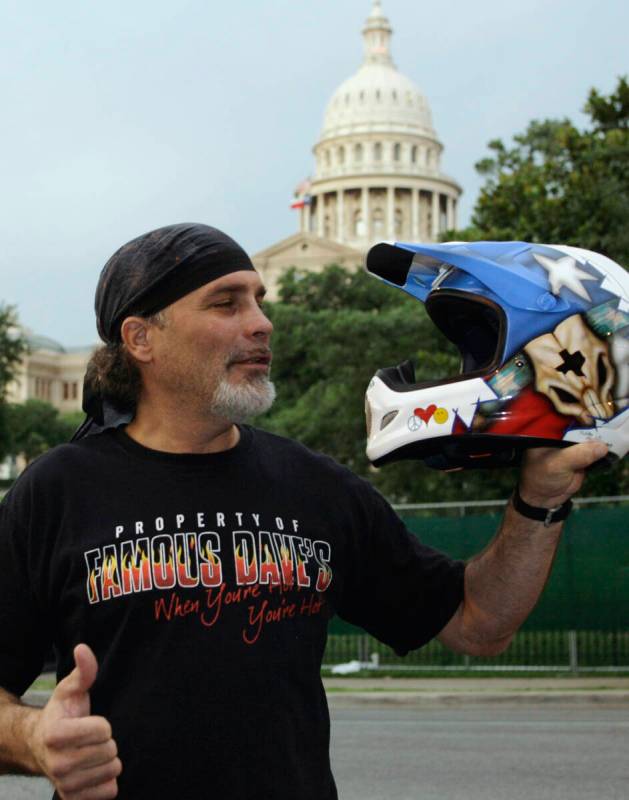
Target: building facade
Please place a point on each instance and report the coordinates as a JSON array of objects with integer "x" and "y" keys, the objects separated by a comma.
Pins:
[
  {"x": 377, "y": 173},
  {"x": 52, "y": 373}
]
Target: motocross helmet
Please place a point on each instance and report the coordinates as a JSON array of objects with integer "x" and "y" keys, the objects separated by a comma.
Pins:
[{"x": 543, "y": 334}]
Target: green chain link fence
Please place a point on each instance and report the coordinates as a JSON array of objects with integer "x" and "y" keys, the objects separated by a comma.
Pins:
[{"x": 580, "y": 623}]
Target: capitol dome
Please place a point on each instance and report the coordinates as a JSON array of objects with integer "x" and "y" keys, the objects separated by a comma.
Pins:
[
  {"x": 378, "y": 158},
  {"x": 378, "y": 97}
]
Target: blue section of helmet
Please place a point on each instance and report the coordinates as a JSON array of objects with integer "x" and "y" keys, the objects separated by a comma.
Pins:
[{"x": 508, "y": 274}]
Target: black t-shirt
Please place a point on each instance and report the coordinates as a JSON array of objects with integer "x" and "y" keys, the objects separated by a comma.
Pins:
[{"x": 204, "y": 584}]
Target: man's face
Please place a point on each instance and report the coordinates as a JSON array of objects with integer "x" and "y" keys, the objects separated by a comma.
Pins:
[{"x": 213, "y": 352}]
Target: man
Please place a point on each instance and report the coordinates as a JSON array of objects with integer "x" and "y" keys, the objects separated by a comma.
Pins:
[{"x": 184, "y": 565}]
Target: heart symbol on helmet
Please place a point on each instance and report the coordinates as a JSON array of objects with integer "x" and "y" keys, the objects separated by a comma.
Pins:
[{"x": 425, "y": 413}]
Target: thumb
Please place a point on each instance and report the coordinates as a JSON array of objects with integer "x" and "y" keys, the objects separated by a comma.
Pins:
[
  {"x": 580, "y": 456},
  {"x": 73, "y": 690}
]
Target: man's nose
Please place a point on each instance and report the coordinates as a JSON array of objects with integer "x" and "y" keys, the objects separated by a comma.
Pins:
[{"x": 261, "y": 325}]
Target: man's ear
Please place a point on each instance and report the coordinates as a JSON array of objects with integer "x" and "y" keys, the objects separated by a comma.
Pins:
[{"x": 134, "y": 333}]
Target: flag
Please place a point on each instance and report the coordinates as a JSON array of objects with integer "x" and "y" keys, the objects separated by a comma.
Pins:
[
  {"x": 301, "y": 194},
  {"x": 302, "y": 201}
]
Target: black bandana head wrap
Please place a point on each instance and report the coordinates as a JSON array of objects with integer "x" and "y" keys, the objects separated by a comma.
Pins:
[
  {"x": 143, "y": 277},
  {"x": 151, "y": 272}
]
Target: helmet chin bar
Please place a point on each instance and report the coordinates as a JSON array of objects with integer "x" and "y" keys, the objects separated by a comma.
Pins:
[{"x": 418, "y": 421}]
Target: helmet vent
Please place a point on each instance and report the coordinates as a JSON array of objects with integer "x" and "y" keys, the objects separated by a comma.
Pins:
[
  {"x": 390, "y": 263},
  {"x": 387, "y": 419}
]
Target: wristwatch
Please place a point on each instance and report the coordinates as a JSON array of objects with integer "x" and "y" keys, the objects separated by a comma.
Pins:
[{"x": 546, "y": 515}]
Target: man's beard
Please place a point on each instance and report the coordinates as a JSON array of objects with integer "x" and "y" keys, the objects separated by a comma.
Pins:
[{"x": 247, "y": 399}]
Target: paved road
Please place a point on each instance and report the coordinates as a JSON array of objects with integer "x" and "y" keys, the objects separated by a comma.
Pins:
[
  {"x": 537, "y": 752},
  {"x": 24, "y": 788},
  {"x": 481, "y": 753}
]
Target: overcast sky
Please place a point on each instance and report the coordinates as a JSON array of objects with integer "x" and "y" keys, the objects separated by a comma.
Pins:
[{"x": 122, "y": 116}]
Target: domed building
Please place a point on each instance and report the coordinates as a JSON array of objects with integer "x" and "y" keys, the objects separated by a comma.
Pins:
[
  {"x": 377, "y": 169},
  {"x": 50, "y": 372}
]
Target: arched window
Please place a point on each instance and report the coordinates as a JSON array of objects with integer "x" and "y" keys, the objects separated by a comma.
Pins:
[
  {"x": 327, "y": 226},
  {"x": 341, "y": 154},
  {"x": 414, "y": 154},
  {"x": 359, "y": 224},
  {"x": 358, "y": 153},
  {"x": 378, "y": 223},
  {"x": 394, "y": 93},
  {"x": 396, "y": 152},
  {"x": 377, "y": 151},
  {"x": 362, "y": 96},
  {"x": 378, "y": 95},
  {"x": 327, "y": 158}
]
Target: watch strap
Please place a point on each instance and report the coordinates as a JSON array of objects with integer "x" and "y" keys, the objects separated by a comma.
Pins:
[{"x": 546, "y": 515}]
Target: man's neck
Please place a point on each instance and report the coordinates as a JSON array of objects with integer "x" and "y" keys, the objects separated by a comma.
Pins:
[{"x": 180, "y": 434}]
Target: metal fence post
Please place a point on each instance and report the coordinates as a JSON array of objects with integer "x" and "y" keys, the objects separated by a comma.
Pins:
[{"x": 573, "y": 650}]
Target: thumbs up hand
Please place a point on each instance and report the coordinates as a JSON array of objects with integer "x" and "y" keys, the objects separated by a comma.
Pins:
[{"x": 75, "y": 750}]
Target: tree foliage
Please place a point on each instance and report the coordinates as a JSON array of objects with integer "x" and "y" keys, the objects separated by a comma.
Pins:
[
  {"x": 35, "y": 426},
  {"x": 13, "y": 348},
  {"x": 559, "y": 184}
]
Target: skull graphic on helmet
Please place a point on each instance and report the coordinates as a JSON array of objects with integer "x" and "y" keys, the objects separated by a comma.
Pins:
[{"x": 573, "y": 369}]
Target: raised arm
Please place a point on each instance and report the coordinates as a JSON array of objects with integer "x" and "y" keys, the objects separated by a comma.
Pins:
[
  {"x": 62, "y": 741},
  {"x": 504, "y": 581}
]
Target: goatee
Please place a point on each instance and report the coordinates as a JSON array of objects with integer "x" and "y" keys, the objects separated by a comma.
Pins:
[{"x": 243, "y": 401}]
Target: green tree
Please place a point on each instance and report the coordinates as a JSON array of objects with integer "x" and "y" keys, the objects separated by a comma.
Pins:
[
  {"x": 333, "y": 330},
  {"x": 557, "y": 183},
  {"x": 13, "y": 348},
  {"x": 36, "y": 426}
]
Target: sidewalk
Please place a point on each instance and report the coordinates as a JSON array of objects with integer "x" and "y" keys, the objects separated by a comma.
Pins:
[
  {"x": 460, "y": 691},
  {"x": 446, "y": 691}
]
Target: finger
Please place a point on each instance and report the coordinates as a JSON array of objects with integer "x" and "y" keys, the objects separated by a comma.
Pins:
[
  {"x": 580, "y": 456},
  {"x": 89, "y": 781},
  {"x": 95, "y": 755},
  {"x": 82, "y": 677},
  {"x": 106, "y": 791},
  {"x": 78, "y": 732}
]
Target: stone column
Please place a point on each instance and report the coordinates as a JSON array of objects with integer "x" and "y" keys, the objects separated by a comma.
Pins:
[
  {"x": 415, "y": 215},
  {"x": 450, "y": 212},
  {"x": 320, "y": 215},
  {"x": 56, "y": 393},
  {"x": 340, "y": 214},
  {"x": 390, "y": 213},
  {"x": 435, "y": 216},
  {"x": 365, "y": 211},
  {"x": 307, "y": 209}
]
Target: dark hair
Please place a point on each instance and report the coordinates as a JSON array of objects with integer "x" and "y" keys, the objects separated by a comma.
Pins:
[{"x": 113, "y": 373}]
